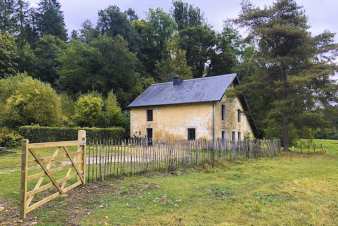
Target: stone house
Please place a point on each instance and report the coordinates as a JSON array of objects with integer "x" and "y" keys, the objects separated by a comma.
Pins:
[{"x": 191, "y": 109}]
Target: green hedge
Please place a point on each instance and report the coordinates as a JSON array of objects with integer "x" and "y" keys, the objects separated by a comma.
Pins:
[
  {"x": 47, "y": 134},
  {"x": 9, "y": 138}
]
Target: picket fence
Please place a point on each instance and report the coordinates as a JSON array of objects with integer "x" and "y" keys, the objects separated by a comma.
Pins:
[{"x": 108, "y": 158}]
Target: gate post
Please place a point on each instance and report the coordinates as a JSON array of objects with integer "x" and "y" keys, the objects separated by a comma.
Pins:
[
  {"x": 81, "y": 137},
  {"x": 23, "y": 189}
]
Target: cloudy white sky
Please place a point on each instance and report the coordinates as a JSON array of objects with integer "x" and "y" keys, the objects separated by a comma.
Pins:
[{"x": 322, "y": 14}]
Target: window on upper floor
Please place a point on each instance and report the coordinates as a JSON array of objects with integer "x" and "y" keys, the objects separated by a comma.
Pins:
[
  {"x": 149, "y": 115},
  {"x": 223, "y": 111},
  {"x": 239, "y": 115}
]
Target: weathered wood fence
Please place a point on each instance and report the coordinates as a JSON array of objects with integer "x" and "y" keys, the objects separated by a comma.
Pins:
[
  {"x": 308, "y": 147},
  {"x": 108, "y": 158},
  {"x": 51, "y": 169},
  {"x": 54, "y": 168}
]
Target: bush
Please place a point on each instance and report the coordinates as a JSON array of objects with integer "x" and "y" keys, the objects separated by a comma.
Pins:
[
  {"x": 26, "y": 101},
  {"x": 48, "y": 134},
  {"x": 112, "y": 114},
  {"x": 88, "y": 109},
  {"x": 9, "y": 138}
]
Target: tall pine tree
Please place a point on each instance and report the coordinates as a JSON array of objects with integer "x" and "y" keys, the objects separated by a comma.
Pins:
[
  {"x": 50, "y": 19},
  {"x": 294, "y": 65}
]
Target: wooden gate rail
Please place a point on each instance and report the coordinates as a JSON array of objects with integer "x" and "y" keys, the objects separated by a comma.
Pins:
[{"x": 73, "y": 161}]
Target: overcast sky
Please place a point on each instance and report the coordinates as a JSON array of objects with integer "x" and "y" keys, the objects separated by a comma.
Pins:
[{"x": 322, "y": 14}]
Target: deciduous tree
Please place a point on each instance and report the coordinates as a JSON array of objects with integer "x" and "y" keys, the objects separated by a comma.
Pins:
[{"x": 8, "y": 55}]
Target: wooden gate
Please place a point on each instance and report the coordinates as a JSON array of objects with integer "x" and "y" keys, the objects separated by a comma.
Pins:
[{"x": 51, "y": 169}]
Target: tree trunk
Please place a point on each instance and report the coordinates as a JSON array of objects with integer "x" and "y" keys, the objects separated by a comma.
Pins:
[{"x": 285, "y": 116}]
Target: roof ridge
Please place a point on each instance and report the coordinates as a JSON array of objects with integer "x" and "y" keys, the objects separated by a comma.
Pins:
[{"x": 202, "y": 78}]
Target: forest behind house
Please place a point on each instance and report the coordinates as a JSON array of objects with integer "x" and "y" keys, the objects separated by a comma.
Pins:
[{"x": 86, "y": 78}]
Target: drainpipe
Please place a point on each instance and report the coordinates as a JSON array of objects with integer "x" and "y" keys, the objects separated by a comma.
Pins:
[
  {"x": 213, "y": 134},
  {"x": 213, "y": 124}
]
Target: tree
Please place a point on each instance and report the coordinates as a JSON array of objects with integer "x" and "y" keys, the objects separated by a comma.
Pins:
[
  {"x": 112, "y": 114},
  {"x": 88, "y": 109},
  {"x": 228, "y": 48},
  {"x": 46, "y": 51},
  {"x": 199, "y": 43},
  {"x": 27, "y": 101},
  {"x": 113, "y": 22},
  {"x": 8, "y": 18},
  {"x": 50, "y": 19},
  {"x": 186, "y": 15},
  {"x": 88, "y": 33},
  {"x": 103, "y": 65},
  {"x": 154, "y": 33},
  {"x": 78, "y": 68},
  {"x": 293, "y": 64},
  {"x": 131, "y": 14},
  {"x": 8, "y": 55},
  {"x": 174, "y": 63},
  {"x": 26, "y": 59}
]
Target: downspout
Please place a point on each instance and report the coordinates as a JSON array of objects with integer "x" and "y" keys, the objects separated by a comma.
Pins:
[
  {"x": 213, "y": 124},
  {"x": 213, "y": 134}
]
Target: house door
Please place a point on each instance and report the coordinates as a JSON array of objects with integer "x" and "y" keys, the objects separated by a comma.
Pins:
[{"x": 150, "y": 136}]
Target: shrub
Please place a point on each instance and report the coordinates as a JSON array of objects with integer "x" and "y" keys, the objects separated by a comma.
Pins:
[
  {"x": 26, "y": 101},
  {"x": 112, "y": 114},
  {"x": 9, "y": 138},
  {"x": 88, "y": 109},
  {"x": 48, "y": 134}
]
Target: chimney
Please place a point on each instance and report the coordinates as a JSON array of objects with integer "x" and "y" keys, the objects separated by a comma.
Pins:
[{"x": 177, "y": 80}]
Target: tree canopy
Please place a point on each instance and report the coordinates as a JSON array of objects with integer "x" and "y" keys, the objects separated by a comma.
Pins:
[
  {"x": 284, "y": 69},
  {"x": 291, "y": 66}
]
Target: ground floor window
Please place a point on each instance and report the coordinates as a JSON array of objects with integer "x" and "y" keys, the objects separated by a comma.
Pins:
[
  {"x": 150, "y": 136},
  {"x": 191, "y": 133},
  {"x": 239, "y": 136},
  {"x": 223, "y": 135},
  {"x": 233, "y": 136}
]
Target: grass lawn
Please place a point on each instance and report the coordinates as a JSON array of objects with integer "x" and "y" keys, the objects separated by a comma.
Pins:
[{"x": 293, "y": 189}]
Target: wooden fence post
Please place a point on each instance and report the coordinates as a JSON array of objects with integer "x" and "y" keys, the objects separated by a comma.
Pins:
[
  {"x": 81, "y": 137},
  {"x": 24, "y": 162}
]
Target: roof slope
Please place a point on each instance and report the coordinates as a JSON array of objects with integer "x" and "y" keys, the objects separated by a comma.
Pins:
[{"x": 198, "y": 90}]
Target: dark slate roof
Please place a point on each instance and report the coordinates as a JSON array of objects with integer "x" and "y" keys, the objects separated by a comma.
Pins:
[{"x": 207, "y": 89}]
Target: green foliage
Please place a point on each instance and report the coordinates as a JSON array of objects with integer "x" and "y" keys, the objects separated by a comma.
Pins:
[
  {"x": 105, "y": 64},
  {"x": 9, "y": 138},
  {"x": 88, "y": 109},
  {"x": 284, "y": 71},
  {"x": 26, "y": 58},
  {"x": 87, "y": 32},
  {"x": 175, "y": 62},
  {"x": 228, "y": 47},
  {"x": 68, "y": 109},
  {"x": 50, "y": 20},
  {"x": 46, "y": 51},
  {"x": 186, "y": 15},
  {"x": 198, "y": 42},
  {"x": 48, "y": 134},
  {"x": 26, "y": 101},
  {"x": 8, "y": 16},
  {"x": 112, "y": 114},
  {"x": 8, "y": 55},
  {"x": 290, "y": 77},
  {"x": 154, "y": 34},
  {"x": 93, "y": 110},
  {"x": 113, "y": 22}
]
